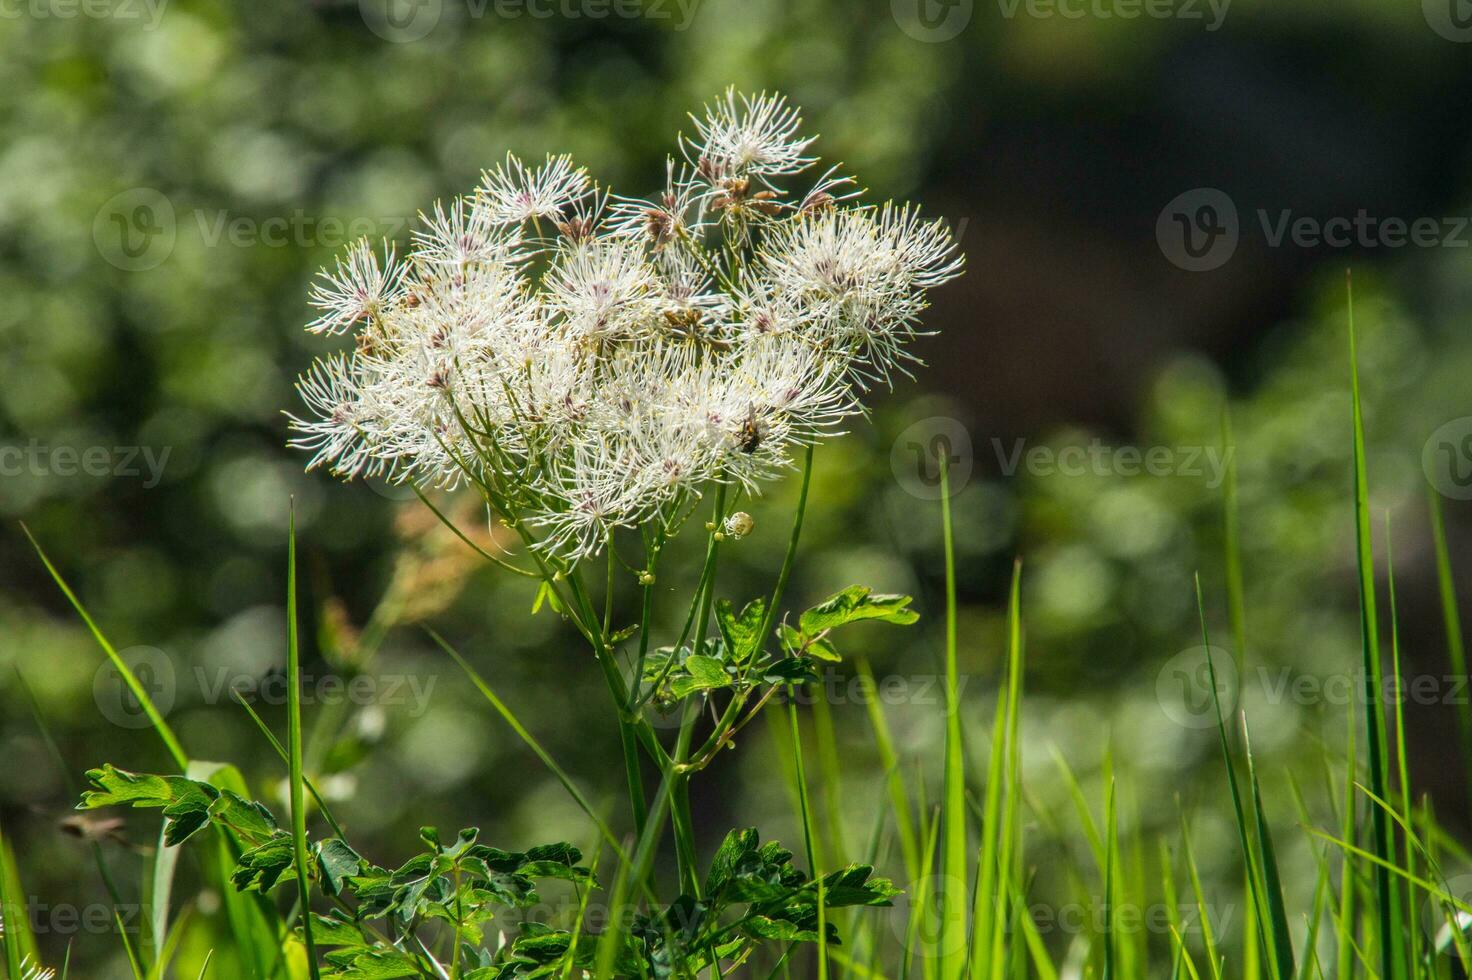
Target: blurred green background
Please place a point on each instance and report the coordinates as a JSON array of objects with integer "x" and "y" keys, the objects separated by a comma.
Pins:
[{"x": 172, "y": 173}]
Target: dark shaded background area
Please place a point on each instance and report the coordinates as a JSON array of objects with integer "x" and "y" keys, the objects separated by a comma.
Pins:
[{"x": 1052, "y": 144}]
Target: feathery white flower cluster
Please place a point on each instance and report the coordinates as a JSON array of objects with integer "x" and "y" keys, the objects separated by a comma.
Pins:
[{"x": 592, "y": 362}]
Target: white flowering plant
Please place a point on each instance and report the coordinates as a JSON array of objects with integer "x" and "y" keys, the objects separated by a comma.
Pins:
[
  {"x": 593, "y": 363},
  {"x": 595, "y": 369}
]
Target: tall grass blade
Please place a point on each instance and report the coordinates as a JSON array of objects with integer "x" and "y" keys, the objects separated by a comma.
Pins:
[
  {"x": 1244, "y": 834},
  {"x": 1348, "y": 874},
  {"x": 1232, "y": 535},
  {"x": 1282, "y": 943},
  {"x": 155, "y": 718},
  {"x": 135, "y": 965},
  {"x": 1208, "y": 929},
  {"x": 899, "y": 797},
  {"x": 294, "y": 750},
  {"x": 954, "y": 853},
  {"x": 806, "y": 813},
  {"x": 1001, "y": 830},
  {"x": 1111, "y": 852},
  {"x": 1387, "y": 896},
  {"x": 530, "y": 741},
  {"x": 1452, "y": 623},
  {"x": 1403, "y": 777},
  {"x": 16, "y": 935}
]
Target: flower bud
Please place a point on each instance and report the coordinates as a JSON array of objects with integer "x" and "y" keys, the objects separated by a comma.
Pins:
[{"x": 739, "y": 525}]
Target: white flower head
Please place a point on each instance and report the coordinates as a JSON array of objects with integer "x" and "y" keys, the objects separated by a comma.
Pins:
[
  {"x": 357, "y": 290},
  {"x": 675, "y": 215},
  {"x": 605, "y": 291},
  {"x": 513, "y": 193},
  {"x": 742, "y": 136},
  {"x": 461, "y": 235},
  {"x": 860, "y": 276}
]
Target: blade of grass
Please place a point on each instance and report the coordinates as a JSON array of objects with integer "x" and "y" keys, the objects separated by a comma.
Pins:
[
  {"x": 1243, "y": 833},
  {"x": 134, "y": 964},
  {"x": 1282, "y": 943},
  {"x": 805, "y": 810},
  {"x": 160, "y": 882},
  {"x": 899, "y": 797},
  {"x": 1392, "y": 945},
  {"x": 1350, "y": 831},
  {"x": 1184, "y": 956},
  {"x": 13, "y": 917},
  {"x": 1232, "y": 535},
  {"x": 920, "y": 908},
  {"x": 1403, "y": 778},
  {"x": 294, "y": 749},
  {"x": 953, "y": 900},
  {"x": 986, "y": 909},
  {"x": 1042, "y": 963},
  {"x": 830, "y": 774},
  {"x": 636, "y": 870},
  {"x": 1000, "y": 829},
  {"x": 1081, "y": 806},
  {"x": 155, "y": 718},
  {"x": 1208, "y": 932},
  {"x": 1452, "y": 623},
  {"x": 1111, "y": 850},
  {"x": 280, "y": 749},
  {"x": 530, "y": 741},
  {"x": 1430, "y": 887}
]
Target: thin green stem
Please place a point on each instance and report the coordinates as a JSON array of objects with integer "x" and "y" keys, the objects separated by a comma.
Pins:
[
  {"x": 680, "y": 818},
  {"x": 294, "y": 750}
]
